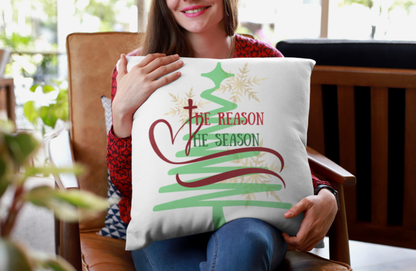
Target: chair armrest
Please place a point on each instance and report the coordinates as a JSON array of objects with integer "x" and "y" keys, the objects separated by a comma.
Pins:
[
  {"x": 323, "y": 166},
  {"x": 60, "y": 155},
  {"x": 67, "y": 239},
  {"x": 338, "y": 234}
]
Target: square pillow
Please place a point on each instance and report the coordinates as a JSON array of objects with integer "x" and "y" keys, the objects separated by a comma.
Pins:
[
  {"x": 114, "y": 226},
  {"x": 226, "y": 140}
]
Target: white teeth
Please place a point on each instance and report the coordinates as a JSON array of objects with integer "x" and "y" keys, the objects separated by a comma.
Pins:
[{"x": 194, "y": 10}]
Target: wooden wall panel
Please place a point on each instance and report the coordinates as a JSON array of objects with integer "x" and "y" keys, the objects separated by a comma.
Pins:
[
  {"x": 379, "y": 155},
  {"x": 316, "y": 138},
  {"x": 347, "y": 153},
  {"x": 409, "y": 197}
]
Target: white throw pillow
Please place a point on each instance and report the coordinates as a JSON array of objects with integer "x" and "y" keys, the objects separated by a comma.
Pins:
[{"x": 246, "y": 156}]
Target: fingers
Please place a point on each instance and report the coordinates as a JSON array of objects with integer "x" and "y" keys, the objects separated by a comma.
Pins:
[
  {"x": 314, "y": 226},
  {"x": 166, "y": 80},
  {"x": 298, "y": 208},
  {"x": 155, "y": 66},
  {"x": 301, "y": 237},
  {"x": 164, "y": 70},
  {"x": 122, "y": 67},
  {"x": 149, "y": 58},
  {"x": 304, "y": 243},
  {"x": 289, "y": 240},
  {"x": 310, "y": 243},
  {"x": 158, "y": 64}
]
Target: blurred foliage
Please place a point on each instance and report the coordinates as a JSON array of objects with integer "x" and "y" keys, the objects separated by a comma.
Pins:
[
  {"x": 103, "y": 10},
  {"x": 48, "y": 114},
  {"x": 366, "y": 3},
  {"x": 405, "y": 4},
  {"x": 44, "y": 12},
  {"x": 36, "y": 66},
  {"x": 16, "y": 152},
  {"x": 16, "y": 41}
]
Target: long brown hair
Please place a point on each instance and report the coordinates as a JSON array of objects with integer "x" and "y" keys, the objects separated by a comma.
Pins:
[{"x": 164, "y": 35}]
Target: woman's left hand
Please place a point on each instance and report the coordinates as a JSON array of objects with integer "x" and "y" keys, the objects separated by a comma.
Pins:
[{"x": 320, "y": 211}]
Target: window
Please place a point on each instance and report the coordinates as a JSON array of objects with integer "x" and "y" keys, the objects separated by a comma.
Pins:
[
  {"x": 274, "y": 20},
  {"x": 372, "y": 19}
]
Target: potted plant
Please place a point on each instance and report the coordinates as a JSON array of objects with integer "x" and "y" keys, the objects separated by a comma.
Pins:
[{"x": 16, "y": 151}]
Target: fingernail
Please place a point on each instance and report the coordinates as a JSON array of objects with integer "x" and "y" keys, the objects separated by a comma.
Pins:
[{"x": 180, "y": 62}]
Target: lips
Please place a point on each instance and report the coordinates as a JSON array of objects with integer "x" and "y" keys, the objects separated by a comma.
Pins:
[{"x": 194, "y": 11}]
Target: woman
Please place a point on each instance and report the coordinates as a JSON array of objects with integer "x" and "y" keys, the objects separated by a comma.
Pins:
[{"x": 201, "y": 28}]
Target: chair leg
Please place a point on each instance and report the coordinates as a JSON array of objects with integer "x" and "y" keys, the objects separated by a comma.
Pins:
[
  {"x": 57, "y": 234},
  {"x": 70, "y": 247},
  {"x": 339, "y": 249}
]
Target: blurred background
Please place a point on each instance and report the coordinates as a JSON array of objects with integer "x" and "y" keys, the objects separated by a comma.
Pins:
[{"x": 34, "y": 31}]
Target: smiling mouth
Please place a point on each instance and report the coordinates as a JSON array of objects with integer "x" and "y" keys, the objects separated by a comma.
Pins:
[{"x": 191, "y": 11}]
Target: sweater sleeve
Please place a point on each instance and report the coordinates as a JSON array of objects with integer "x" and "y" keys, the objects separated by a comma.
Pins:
[
  {"x": 316, "y": 181},
  {"x": 119, "y": 162}
]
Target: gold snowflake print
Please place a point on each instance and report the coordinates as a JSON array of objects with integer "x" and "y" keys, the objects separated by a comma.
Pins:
[
  {"x": 180, "y": 103},
  {"x": 241, "y": 85},
  {"x": 259, "y": 179}
]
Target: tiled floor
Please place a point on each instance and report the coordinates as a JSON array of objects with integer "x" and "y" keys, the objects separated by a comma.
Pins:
[{"x": 372, "y": 257}]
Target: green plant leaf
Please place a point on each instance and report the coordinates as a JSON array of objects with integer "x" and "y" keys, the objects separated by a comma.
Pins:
[
  {"x": 77, "y": 170},
  {"x": 30, "y": 111},
  {"x": 48, "y": 116},
  {"x": 47, "y": 88},
  {"x": 61, "y": 106},
  {"x": 83, "y": 199},
  {"x": 7, "y": 169},
  {"x": 45, "y": 261},
  {"x": 13, "y": 257},
  {"x": 34, "y": 87},
  {"x": 59, "y": 265},
  {"x": 16, "y": 41},
  {"x": 7, "y": 166},
  {"x": 44, "y": 196},
  {"x": 69, "y": 205},
  {"x": 6, "y": 127},
  {"x": 21, "y": 146},
  {"x": 4, "y": 176}
]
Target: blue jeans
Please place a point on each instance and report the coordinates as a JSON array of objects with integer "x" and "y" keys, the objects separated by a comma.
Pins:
[{"x": 242, "y": 244}]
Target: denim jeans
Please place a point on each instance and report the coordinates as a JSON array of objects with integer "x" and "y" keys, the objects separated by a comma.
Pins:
[{"x": 242, "y": 244}]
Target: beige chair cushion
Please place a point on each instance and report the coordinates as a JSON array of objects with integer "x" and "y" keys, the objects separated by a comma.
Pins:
[{"x": 88, "y": 81}]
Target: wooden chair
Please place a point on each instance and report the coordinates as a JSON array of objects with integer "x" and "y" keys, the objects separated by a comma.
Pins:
[
  {"x": 365, "y": 118},
  {"x": 91, "y": 58}
]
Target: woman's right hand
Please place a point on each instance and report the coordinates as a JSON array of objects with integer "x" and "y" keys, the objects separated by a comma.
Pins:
[{"x": 134, "y": 87}]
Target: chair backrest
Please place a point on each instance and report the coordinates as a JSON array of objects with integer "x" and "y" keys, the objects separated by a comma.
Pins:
[
  {"x": 365, "y": 120},
  {"x": 363, "y": 117},
  {"x": 91, "y": 60}
]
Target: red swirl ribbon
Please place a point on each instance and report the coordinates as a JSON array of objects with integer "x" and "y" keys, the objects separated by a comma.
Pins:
[{"x": 221, "y": 176}]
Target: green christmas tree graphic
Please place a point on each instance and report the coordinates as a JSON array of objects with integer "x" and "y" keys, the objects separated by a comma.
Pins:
[{"x": 224, "y": 189}]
